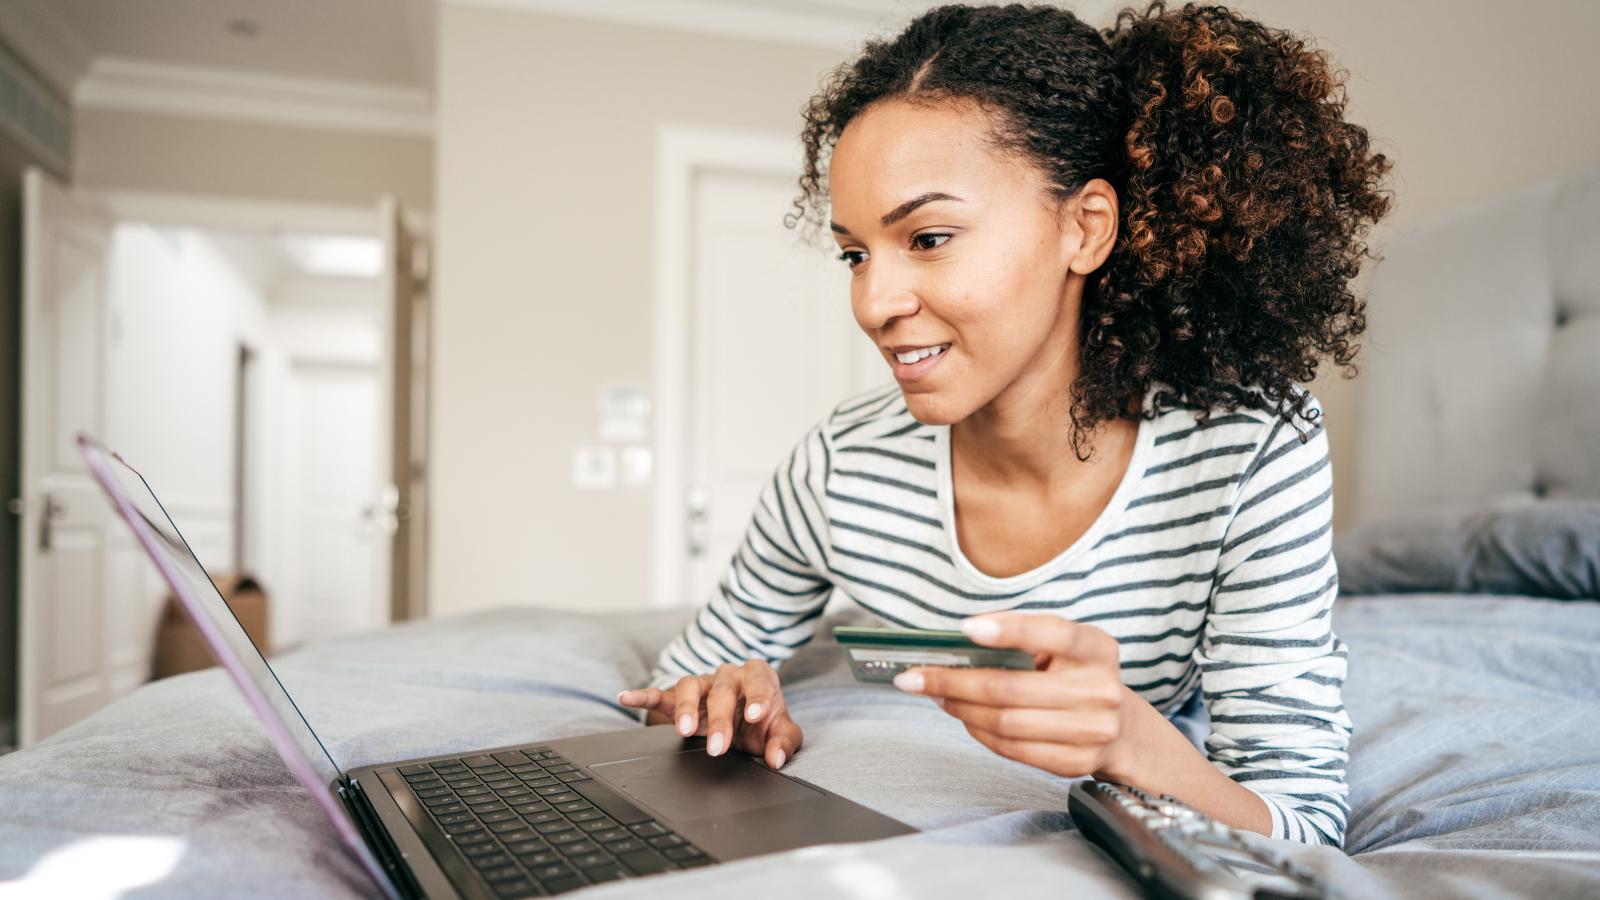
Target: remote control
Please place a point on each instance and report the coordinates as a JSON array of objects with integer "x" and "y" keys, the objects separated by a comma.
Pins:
[{"x": 1179, "y": 853}]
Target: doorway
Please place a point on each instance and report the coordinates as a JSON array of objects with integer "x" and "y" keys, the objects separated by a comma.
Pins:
[{"x": 241, "y": 356}]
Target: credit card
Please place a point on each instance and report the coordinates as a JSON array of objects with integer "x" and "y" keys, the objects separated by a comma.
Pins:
[{"x": 877, "y": 655}]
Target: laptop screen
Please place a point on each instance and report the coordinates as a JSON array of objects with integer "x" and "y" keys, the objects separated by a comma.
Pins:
[{"x": 204, "y": 604}]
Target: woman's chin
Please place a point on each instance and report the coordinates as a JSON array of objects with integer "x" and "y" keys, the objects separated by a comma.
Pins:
[{"x": 932, "y": 408}]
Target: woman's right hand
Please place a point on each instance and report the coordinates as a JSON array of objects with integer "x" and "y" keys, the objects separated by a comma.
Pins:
[{"x": 737, "y": 706}]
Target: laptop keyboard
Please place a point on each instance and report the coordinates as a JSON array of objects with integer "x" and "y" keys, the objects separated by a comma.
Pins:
[{"x": 528, "y": 820}]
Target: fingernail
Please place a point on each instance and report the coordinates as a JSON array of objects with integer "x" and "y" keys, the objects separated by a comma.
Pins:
[
  {"x": 939, "y": 701},
  {"x": 753, "y": 711},
  {"x": 981, "y": 629},
  {"x": 685, "y": 725},
  {"x": 910, "y": 682},
  {"x": 780, "y": 760},
  {"x": 715, "y": 745}
]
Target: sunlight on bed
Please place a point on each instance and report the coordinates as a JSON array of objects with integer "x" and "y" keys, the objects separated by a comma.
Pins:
[{"x": 97, "y": 868}]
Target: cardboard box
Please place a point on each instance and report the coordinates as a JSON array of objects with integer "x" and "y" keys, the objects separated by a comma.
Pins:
[{"x": 179, "y": 647}]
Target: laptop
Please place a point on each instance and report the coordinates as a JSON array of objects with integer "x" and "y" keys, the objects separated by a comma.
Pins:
[{"x": 501, "y": 823}]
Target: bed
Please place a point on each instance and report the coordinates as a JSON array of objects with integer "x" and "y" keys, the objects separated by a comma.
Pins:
[{"x": 1470, "y": 610}]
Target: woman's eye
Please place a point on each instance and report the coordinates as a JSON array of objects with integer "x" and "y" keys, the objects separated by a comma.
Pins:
[
  {"x": 928, "y": 241},
  {"x": 853, "y": 258}
]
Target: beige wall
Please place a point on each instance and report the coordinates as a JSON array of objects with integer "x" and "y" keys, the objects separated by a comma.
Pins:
[
  {"x": 546, "y": 129},
  {"x": 115, "y": 148}
]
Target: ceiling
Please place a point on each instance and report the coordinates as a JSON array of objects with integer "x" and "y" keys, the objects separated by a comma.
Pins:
[
  {"x": 385, "y": 44},
  {"x": 380, "y": 42}
]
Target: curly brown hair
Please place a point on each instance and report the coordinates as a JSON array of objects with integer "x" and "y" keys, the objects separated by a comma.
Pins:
[{"x": 1245, "y": 195}]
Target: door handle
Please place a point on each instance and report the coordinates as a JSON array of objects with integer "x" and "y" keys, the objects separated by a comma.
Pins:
[
  {"x": 52, "y": 510},
  {"x": 698, "y": 506}
]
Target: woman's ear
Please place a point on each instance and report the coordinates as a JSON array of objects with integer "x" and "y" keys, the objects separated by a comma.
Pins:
[{"x": 1094, "y": 212}]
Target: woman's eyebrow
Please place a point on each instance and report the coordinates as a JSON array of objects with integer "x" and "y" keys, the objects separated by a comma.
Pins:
[
  {"x": 901, "y": 211},
  {"x": 910, "y": 206}
]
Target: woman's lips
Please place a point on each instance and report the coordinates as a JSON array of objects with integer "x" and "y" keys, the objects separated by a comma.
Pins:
[{"x": 908, "y": 372}]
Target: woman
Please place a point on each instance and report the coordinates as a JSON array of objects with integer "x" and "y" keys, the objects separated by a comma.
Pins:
[{"x": 1099, "y": 266}]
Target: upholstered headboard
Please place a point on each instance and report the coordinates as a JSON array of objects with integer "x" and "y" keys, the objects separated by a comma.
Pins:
[{"x": 1481, "y": 375}]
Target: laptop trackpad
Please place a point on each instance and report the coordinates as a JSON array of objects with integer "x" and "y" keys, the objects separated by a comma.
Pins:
[{"x": 694, "y": 785}]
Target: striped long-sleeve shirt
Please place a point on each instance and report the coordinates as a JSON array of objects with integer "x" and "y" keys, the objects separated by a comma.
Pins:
[{"x": 1212, "y": 566}]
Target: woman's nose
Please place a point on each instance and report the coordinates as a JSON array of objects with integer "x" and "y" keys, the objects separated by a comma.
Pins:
[{"x": 882, "y": 296}]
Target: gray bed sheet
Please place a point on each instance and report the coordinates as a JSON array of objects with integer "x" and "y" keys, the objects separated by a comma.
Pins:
[{"x": 1475, "y": 770}]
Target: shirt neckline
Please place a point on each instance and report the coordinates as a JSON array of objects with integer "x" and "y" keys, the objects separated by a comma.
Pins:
[{"x": 1085, "y": 542}]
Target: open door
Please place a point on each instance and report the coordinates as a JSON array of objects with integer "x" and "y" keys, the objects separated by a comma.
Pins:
[
  {"x": 405, "y": 383},
  {"x": 68, "y": 649}
]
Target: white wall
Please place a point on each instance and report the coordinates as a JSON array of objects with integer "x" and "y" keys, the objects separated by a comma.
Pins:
[
  {"x": 178, "y": 312},
  {"x": 546, "y": 140}
]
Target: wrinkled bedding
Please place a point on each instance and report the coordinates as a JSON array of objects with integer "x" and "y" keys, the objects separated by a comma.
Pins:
[{"x": 1475, "y": 769}]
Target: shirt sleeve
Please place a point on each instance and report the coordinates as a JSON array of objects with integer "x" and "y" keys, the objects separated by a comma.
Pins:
[
  {"x": 1271, "y": 667},
  {"x": 769, "y": 599}
]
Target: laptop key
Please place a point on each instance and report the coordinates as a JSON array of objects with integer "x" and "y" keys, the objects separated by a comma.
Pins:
[
  {"x": 579, "y": 848},
  {"x": 472, "y": 837},
  {"x": 570, "y": 777},
  {"x": 453, "y": 818},
  {"x": 686, "y": 851},
  {"x": 611, "y": 834},
  {"x": 433, "y": 792},
  {"x": 541, "y": 857},
  {"x": 601, "y": 824},
  {"x": 549, "y": 815},
  {"x": 536, "y": 806},
  {"x": 557, "y": 770},
  {"x": 491, "y": 860},
  {"x": 472, "y": 791},
  {"x": 444, "y": 809},
  {"x": 524, "y": 768},
  {"x": 514, "y": 890},
  {"x": 517, "y": 834},
  {"x": 476, "y": 850},
  {"x": 553, "y": 826},
  {"x": 573, "y": 806},
  {"x": 510, "y": 757},
  {"x": 584, "y": 815},
  {"x": 413, "y": 770},
  {"x": 564, "y": 837},
  {"x": 539, "y": 781},
  {"x": 544, "y": 873},
  {"x": 516, "y": 791},
  {"x": 504, "y": 873},
  {"x": 465, "y": 776},
  {"x": 552, "y": 790},
  {"x": 665, "y": 840},
  {"x": 485, "y": 804},
  {"x": 608, "y": 872},
  {"x": 563, "y": 884},
  {"x": 499, "y": 816},
  {"x": 650, "y": 829},
  {"x": 590, "y": 860},
  {"x": 629, "y": 845},
  {"x": 445, "y": 763},
  {"x": 644, "y": 862},
  {"x": 475, "y": 761},
  {"x": 507, "y": 826},
  {"x": 441, "y": 801},
  {"x": 462, "y": 828}
]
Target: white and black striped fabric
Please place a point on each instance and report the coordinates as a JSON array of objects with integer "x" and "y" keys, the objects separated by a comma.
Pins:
[{"x": 1212, "y": 565}]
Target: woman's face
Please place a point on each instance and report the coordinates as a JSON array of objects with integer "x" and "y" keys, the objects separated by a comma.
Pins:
[{"x": 963, "y": 263}]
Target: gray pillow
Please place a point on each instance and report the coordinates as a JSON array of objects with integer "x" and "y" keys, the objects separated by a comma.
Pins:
[{"x": 1546, "y": 549}]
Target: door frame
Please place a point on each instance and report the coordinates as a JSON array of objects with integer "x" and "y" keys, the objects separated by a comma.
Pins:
[{"x": 682, "y": 151}]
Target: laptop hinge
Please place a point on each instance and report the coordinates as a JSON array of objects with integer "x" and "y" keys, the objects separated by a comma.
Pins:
[{"x": 366, "y": 818}]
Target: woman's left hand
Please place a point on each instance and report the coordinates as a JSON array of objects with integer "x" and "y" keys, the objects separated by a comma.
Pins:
[{"x": 1067, "y": 717}]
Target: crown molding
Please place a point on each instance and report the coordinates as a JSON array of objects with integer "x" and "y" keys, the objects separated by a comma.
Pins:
[
  {"x": 828, "y": 26},
  {"x": 209, "y": 93}
]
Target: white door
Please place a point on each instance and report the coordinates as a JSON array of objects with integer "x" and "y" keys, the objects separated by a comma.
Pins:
[
  {"x": 69, "y": 629},
  {"x": 336, "y": 534},
  {"x": 773, "y": 348}
]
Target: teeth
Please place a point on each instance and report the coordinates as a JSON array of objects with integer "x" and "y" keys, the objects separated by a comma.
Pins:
[{"x": 911, "y": 356}]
